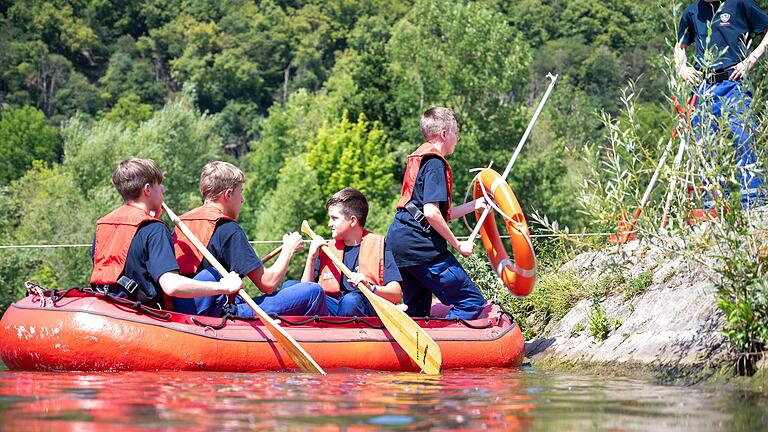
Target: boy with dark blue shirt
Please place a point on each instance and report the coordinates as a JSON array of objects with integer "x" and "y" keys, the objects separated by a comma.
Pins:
[
  {"x": 362, "y": 251},
  {"x": 722, "y": 60},
  {"x": 214, "y": 224},
  {"x": 133, "y": 252},
  {"x": 419, "y": 236}
]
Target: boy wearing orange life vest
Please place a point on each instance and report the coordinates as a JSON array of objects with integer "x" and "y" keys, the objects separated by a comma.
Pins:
[
  {"x": 419, "y": 235},
  {"x": 133, "y": 251},
  {"x": 362, "y": 251},
  {"x": 215, "y": 225}
]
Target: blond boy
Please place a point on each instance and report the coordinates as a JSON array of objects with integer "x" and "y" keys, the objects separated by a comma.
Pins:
[{"x": 215, "y": 224}]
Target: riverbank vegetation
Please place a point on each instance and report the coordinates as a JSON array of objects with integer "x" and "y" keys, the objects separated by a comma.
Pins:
[{"x": 309, "y": 96}]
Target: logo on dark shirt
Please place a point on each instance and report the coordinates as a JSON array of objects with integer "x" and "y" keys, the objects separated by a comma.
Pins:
[{"x": 724, "y": 18}]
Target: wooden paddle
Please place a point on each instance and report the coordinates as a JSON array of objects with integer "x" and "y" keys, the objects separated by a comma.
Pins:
[
  {"x": 411, "y": 338},
  {"x": 297, "y": 353},
  {"x": 271, "y": 255}
]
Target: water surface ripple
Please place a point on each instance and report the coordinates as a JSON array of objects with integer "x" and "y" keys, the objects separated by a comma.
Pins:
[{"x": 494, "y": 399}]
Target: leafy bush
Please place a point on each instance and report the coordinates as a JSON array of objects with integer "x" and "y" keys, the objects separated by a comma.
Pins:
[
  {"x": 637, "y": 285},
  {"x": 25, "y": 136},
  {"x": 599, "y": 326}
]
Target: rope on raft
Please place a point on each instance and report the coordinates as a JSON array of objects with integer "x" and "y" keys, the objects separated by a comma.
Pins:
[{"x": 54, "y": 296}]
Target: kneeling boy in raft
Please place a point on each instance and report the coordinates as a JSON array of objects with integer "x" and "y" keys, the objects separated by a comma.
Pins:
[{"x": 419, "y": 235}]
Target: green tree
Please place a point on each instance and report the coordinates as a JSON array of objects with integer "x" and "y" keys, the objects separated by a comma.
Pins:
[
  {"x": 297, "y": 197},
  {"x": 612, "y": 23},
  {"x": 178, "y": 138},
  {"x": 127, "y": 72},
  {"x": 284, "y": 134},
  {"x": 47, "y": 207},
  {"x": 43, "y": 74},
  {"x": 56, "y": 23},
  {"x": 129, "y": 111},
  {"x": 76, "y": 95},
  {"x": 466, "y": 57},
  {"x": 535, "y": 19},
  {"x": 353, "y": 154},
  {"x": 24, "y": 137}
]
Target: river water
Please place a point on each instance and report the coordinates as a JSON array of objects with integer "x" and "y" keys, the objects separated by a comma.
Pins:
[{"x": 524, "y": 399}]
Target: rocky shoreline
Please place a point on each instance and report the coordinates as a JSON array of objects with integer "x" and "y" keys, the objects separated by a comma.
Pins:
[{"x": 671, "y": 331}]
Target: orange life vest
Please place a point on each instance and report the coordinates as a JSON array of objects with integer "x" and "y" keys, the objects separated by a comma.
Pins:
[
  {"x": 370, "y": 263},
  {"x": 412, "y": 171},
  {"x": 202, "y": 222},
  {"x": 114, "y": 234}
]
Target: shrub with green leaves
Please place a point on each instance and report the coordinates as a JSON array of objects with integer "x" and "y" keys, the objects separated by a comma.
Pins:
[{"x": 25, "y": 136}]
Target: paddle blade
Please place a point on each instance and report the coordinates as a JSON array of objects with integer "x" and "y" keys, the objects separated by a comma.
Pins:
[
  {"x": 419, "y": 346},
  {"x": 299, "y": 356},
  {"x": 307, "y": 230}
]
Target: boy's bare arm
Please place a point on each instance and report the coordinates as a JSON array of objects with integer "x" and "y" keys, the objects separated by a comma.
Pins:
[
  {"x": 687, "y": 73},
  {"x": 751, "y": 60},
  {"x": 390, "y": 291},
  {"x": 438, "y": 223},
  {"x": 466, "y": 208},
  {"x": 176, "y": 285},
  {"x": 267, "y": 280},
  {"x": 309, "y": 266}
]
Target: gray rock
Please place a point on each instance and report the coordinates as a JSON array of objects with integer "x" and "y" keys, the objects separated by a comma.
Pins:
[{"x": 674, "y": 324}]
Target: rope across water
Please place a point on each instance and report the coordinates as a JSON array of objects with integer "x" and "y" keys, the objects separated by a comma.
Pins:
[{"x": 256, "y": 242}]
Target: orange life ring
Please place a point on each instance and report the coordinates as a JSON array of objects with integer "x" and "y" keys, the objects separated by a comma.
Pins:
[{"x": 520, "y": 276}]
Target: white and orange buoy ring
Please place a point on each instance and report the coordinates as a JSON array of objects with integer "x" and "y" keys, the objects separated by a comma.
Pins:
[{"x": 518, "y": 276}]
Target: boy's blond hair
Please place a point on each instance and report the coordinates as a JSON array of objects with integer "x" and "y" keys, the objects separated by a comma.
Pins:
[
  {"x": 133, "y": 174},
  {"x": 217, "y": 177},
  {"x": 437, "y": 119}
]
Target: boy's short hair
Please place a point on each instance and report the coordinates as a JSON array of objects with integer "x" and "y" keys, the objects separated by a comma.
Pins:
[
  {"x": 132, "y": 174},
  {"x": 352, "y": 203},
  {"x": 217, "y": 177},
  {"x": 435, "y": 120}
]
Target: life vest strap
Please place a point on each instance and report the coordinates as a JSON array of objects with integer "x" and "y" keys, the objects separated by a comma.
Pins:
[{"x": 418, "y": 215}]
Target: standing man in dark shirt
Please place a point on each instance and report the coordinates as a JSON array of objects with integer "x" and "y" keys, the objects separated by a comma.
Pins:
[
  {"x": 133, "y": 251},
  {"x": 215, "y": 225},
  {"x": 722, "y": 60},
  {"x": 364, "y": 252},
  {"x": 419, "y": 236}
]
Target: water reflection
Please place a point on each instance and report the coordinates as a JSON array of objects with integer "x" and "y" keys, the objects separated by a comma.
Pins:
[{"x": 512, "y": 400}]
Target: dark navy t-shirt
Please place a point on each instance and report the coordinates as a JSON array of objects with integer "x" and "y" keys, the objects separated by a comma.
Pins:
[
  {"x": 352, "y": 261},
  {"x": 732, "y": 21},
  {"x": 411, "y": 244},
  {"x": 150, "y": 256},
  {"x": 230, "y": 246}
]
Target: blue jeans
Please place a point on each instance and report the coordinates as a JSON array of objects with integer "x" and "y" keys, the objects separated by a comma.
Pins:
[
  {"x": 732, "y": 98},
  {"x": 293, "y": 298},
  {"x": 449, "y": 282},
  {"x": 352, "y": 303}
]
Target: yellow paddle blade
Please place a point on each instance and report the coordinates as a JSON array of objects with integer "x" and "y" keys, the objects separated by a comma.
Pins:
[{"x": 303, "y": 360}]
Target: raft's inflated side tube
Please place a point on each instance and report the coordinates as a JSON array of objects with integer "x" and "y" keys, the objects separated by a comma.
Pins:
[
  {"x": 89, "y": 333},
  {"x": 518, "y": 276}
]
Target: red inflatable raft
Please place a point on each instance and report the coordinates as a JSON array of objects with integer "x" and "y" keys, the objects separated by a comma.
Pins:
[{"x": 83, "y": 332}]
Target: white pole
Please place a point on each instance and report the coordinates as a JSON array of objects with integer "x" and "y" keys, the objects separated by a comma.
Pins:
[{"x": 487, "y": 210}]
